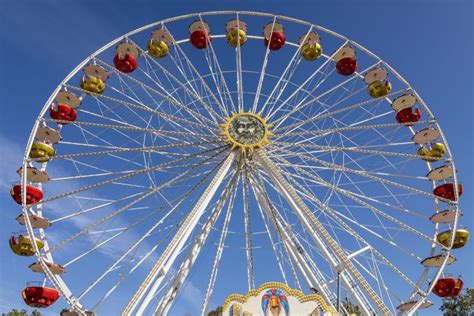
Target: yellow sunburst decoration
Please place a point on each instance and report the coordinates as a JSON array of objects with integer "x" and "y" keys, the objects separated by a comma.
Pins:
[{"x": 246, "y": 130}]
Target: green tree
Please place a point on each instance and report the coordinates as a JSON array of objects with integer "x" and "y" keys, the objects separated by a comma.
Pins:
[
  {"x": 351, "y": 308},
  {"x": 23, "y": 312},
  {"x": 462, "y": 305},
  {"x": 15, "y": 312}
]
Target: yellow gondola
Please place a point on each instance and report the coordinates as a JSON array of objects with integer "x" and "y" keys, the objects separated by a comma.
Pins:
[
  {"x": 311, "y": 52},
  {"x": 460, "y": 238},
  {"x": 158, "y": 49},
  {"x": 22, "y": 245},
  {"x": 42, "y": 152},
  {"x": 437, "y": 151},
  {"x": 378, "y": 89},
  {"x": 234, "y": 36},
  {"x": 93, "y": 84},
  {"x": 236, "y": 32}
]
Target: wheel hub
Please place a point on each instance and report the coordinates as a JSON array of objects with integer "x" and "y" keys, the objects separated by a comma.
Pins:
[{"x": 246, "y": 131}]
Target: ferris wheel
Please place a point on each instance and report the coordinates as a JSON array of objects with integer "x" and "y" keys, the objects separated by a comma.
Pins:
[{"x": 229, "y": 149}]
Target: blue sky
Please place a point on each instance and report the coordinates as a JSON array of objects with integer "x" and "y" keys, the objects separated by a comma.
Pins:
[{"x": 430, "y": 43}]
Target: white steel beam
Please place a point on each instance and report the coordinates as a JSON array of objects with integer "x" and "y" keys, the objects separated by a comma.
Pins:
[
  {"x": 322, "y": 238},
  {"x": 295, "y": 249},
  {"x": 217, "y": 258},
  {"x": 248, "y": 233},
  {"x": 167, "y": 258},
  {"x": 358, "y": 252},
  {"x": 165, "y": 304}
]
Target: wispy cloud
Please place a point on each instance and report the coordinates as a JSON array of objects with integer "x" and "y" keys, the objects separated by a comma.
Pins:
[
  {"x": 193, "y": 295},
  {"x": 11, "y": 161}
]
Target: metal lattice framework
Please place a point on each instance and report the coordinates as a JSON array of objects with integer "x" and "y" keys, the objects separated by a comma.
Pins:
[{"x": 147, "y": 191}]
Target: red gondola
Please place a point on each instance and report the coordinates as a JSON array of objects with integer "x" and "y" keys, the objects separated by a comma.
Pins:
[
  {"x": 199, "y": 34},
  {"x": 448, "y": 287},
  {"x": 408, "y": 116},
  {"x": 126, "y": 64},
  {"x": 39, "y": 296},
  {"x": 33, "y": 194},
  {"x": 277, "y": 41},
  {"x": 199, "y": 39},
  {"x": 446, "y": 191},
  {"x": 347, "y": 66},
  {"x": 63, "y": 112}
]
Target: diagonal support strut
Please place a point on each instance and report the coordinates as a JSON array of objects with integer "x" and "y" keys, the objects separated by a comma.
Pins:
[{"x": 169, "y": 255}]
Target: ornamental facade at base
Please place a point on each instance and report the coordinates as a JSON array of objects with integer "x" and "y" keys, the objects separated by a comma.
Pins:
[{"x": 273, "y": 299}]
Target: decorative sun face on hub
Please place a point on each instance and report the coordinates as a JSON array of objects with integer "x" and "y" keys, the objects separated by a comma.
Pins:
[{"x": 246, "y": 131}]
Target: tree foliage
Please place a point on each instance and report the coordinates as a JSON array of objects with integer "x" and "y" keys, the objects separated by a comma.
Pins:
[
  {"x": 351, "y": 308},
  {"x": 461, "y": 305},
  {"x": 23, "y": 312}
]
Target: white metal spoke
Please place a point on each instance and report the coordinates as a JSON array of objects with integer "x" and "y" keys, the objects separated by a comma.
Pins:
[
  {"x": 147, "y": 234},
  {"x": 192, "y": 93},
  {"x": 334, "y": 215},
  {"x": 153, "y": 149},
  {"x": 370, "y": 176},
  {"x": 357, "y": 199},
  {"x": 273, "y": 111},
  {"x": 302, "y": 106},
  {"x": 118, "y": 211},
  {"x": 134, "y": 128},
  {"x": 136, "y": 105},
  {"x": 176, "y": 204},
  {"x": 238, "y": 72},
  {"x": 220, "y": 74},
  {"x": 317, "y": 181},
  {"x": 292, "y": 64},
  {"x": 180, "y": 200},
  {"x": 194, "y": 71},
  {"x": 355, "y": 149},
  {"x": 262, "y": 72},
  {"x": 325, "y": 114},
  {"x": 200, "y": 118},
  {"x": 353, "y": 127},
  {"x": 129, "y": 175}
]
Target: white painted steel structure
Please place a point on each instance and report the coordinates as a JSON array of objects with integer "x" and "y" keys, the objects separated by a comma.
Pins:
[{"x": 143, "y": 176}]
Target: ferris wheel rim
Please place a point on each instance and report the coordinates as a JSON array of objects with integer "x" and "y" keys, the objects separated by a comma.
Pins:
[{"x": 26, "y": 210}]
